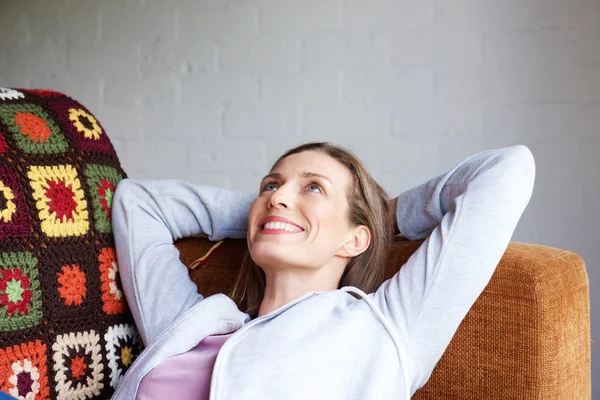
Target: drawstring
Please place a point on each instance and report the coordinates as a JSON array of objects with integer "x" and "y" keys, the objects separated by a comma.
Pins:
[
  {"x": 205, "y": 257},
  {"x": 384, "y": 320}
]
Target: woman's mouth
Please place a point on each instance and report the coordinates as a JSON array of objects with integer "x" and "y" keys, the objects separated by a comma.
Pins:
[{"x": 278, "y": 225}]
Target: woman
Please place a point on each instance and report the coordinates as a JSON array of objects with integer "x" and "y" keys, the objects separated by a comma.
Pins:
[{"x": 319, "y": 232}]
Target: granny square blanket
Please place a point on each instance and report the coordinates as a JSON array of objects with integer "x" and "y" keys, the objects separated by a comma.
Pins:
[{"x": 65, "y": 329}]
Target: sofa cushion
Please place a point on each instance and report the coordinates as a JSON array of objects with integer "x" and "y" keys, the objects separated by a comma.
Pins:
[{"x": 65, "y": 330}]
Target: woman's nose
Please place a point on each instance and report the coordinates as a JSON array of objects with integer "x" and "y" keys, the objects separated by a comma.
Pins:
[{"x": 280, "y": 198}]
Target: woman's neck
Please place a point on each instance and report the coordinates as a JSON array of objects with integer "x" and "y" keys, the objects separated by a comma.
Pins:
[{"x": 285, "y": 288}]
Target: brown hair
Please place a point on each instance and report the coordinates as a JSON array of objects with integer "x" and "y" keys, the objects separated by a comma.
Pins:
[{"x": 368, "y": 205}]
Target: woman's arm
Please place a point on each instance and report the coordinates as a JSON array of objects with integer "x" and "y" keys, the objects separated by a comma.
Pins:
[
  {"x": 147, "y": 217},
  {"x": 468, "y": 216}
]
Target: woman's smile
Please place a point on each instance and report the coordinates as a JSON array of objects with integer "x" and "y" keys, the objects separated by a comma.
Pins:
[{"x": 276, "y": 225}]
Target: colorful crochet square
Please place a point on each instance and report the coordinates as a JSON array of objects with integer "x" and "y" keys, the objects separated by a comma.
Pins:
[
  {"x": 78, "y": 365},
  {"x": 33, "y": 130},
  {"x": 70, "y": 282},
  {"x": 60, "y": 201},
  {"x": 112, "y": 291},
  {"x": 10, "y": 94},
  {"x": 14, "y": 215},
  {"x": 23, "y": 371},
  {"x": 122, "y": 347},
  {"x": 20, "y": 294},
  {"x": 102, "y": 181},
  {"x": 83, "y": 127}
]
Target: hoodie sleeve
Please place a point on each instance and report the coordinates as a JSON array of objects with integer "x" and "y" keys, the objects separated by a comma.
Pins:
[
  {"x": 147, "y": 217},
  {"x": 468, "y": 216}
]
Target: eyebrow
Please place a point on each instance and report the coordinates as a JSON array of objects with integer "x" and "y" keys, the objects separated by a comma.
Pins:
[{"x": 277, "y": 175}]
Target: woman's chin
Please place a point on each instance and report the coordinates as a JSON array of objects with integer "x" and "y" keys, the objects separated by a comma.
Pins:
[{"x": 270, "y": 253}]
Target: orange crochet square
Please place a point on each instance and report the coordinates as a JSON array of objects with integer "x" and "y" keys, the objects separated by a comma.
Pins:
[
  {"x": 112, "y": 291},
  {"x": 23, "y": 371}
]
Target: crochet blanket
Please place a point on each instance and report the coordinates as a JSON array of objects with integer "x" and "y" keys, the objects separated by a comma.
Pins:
[{"x": 65, "y": 330}]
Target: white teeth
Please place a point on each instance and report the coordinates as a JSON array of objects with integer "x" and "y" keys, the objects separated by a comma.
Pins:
[{"x": 280, "y": 226}]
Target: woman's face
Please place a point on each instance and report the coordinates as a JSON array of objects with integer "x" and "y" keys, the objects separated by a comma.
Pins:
[{"x": 299, "y": 218}]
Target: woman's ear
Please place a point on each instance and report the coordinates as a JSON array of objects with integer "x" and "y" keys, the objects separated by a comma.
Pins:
[{"x": 357, "y": 242}]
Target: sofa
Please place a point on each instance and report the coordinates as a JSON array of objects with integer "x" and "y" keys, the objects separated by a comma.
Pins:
[
  {"x": 526, "y": 337},
  {"x": 66, "y": 331}
]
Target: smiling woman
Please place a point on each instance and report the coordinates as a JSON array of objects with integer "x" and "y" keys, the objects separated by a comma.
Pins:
[
  {"x": 337, "y": 232},
  {"x": 310, "y": 316}
]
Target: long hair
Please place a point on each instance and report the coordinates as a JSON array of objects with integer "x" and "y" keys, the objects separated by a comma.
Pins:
[{"x": 368, "y": 205}]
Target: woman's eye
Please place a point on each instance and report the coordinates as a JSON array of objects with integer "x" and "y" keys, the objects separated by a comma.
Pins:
[
  {"x": 314, "y": 186},
  {"x": 269, "y": 186}
]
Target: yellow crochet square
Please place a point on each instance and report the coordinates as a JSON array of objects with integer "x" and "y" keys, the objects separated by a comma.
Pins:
[{"x": 60, "y": 200}]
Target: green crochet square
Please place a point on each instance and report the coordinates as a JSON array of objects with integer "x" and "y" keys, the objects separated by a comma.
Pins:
[
  {"x": 33, "y": 129},
  {"x": 102, "y": 181},
  {"x": 20, "y": 294}
]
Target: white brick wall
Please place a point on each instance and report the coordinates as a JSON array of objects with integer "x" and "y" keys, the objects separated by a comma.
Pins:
[{"x": 213, "y": 91}]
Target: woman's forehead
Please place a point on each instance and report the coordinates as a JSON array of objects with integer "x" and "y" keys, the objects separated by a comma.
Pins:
[{"x": 314, "y": 161}]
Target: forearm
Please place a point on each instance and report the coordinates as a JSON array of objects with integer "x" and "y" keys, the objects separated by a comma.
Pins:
[
  {"x": 420, "y": 209},
  {"x": 185, "y": 208}
]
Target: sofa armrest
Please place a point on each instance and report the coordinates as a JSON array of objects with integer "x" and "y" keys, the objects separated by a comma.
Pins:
[{"x": 527, "y": 335}]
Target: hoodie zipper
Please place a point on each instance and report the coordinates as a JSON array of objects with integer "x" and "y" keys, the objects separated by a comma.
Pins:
[{"x": 230, "y": 342}]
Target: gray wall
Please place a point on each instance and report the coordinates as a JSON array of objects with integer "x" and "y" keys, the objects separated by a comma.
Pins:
[{"x": 213, "y": 91}]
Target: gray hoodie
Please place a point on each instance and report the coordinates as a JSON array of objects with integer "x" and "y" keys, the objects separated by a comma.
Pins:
[{"x": 323, "y": 345}]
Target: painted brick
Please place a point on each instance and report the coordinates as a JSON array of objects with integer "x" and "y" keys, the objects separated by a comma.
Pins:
[
  {"x": 307, "y": 16},
  {"x": 416, "y": 120},
  {"x": 477, "y": 16},
  {"x": 388, "y": 15},
  {"x": 117, "y": 24},
  {"x": 332, "y": 51},
  {"x": 261, "y": 121},
  {"x": 105, "y": 59},
  {"x": 211, "y": 87},
  {"x": 551, "y": 13},
  {"x": 261, "y": 53},
  {"x": 345, "y": 121},
  {"x": 458, "y": 83},
  {"x": 388, "y": 86},
  {"x": 566, "y": 83},
  {"x": 199, "y": 21},
  {"x": 303, "y": 89}
]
